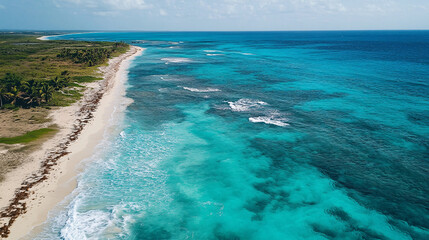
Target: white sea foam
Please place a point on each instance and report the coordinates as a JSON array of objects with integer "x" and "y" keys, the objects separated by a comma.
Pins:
[
  {"x": 245, "y": 104},
  {"x": 176, "y": 60},
  {"x": 173, "y": 78},
  {"x": 80, "y": 225},
  {"x": 96, "y": 224},
  {"x": 216, "y": 54},
  {"x": 269, "y": 120},
  {"x": 201, "y": 89},
  {"x": 244, "y": 53},
  {"x": 212, "y": 51}
]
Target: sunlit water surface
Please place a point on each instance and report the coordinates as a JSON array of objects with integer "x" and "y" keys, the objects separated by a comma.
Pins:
[{"x": 276, "y": 135}]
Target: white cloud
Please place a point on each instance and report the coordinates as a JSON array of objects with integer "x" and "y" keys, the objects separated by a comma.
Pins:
[
  {"x": 81, "y": 3},
  {"x": 238, "y": 8},
  {"x": 377, "y": 8},
  {"x": 126, "y": 4},
  {"x": 328, "y": 6},
  {"x": 374, "y": 8},
  {"x": 105, "y": 13},
  {"x": 108, "y": 4},
  {"x": 215, "y": 8},
  {"x": 162, "y": 12}
]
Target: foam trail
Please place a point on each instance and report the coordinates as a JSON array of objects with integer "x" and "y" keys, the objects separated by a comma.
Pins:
[
  {"x": 176, "y": 60},
  {"x": 246, "y": 104},
  {"x": 269, "y": 120},
  {"x": 203, "y": 90},
  {"x": 212, "y": 51}
]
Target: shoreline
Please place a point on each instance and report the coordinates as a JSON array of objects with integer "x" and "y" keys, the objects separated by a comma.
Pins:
[
  {"x": 43, "y": 38},
  {"x": 32, "y": 190},
  {"x": 46, "y": 38}
]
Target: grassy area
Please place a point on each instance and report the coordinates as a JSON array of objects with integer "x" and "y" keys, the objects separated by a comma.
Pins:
[
  {"x": 85, "y": 79},
  {"x": 29, "y": 136},
  {"x": 65, "y": 98},
  {"x": 29, "y": 57},
  {"x": 60, "y": 64}
]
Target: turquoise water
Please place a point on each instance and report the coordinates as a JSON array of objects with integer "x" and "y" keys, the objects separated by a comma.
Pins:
[{"x": 275, "y": 135}]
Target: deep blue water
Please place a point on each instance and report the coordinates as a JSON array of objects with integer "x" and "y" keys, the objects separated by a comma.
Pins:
[{"x": 262, "y": 135}]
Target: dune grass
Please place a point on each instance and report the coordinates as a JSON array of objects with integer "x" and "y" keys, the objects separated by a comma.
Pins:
[{"x": 29, "y": 136}]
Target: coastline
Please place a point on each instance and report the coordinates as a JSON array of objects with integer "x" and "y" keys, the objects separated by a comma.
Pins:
[
  {"x": 44, "y": 38},
  {"x": 30, "y": 192}
]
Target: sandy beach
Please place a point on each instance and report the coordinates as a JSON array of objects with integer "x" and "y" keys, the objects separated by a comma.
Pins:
[
  {"x": 32, "y": 190},
  {"x": 43, "y": 38}
]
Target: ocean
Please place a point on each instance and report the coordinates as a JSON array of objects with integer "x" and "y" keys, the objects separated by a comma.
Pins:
[{"x": 261, "y": 135}]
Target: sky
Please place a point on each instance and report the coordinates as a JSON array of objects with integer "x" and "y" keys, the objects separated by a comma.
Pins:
[{"x": 213, "y": 15}]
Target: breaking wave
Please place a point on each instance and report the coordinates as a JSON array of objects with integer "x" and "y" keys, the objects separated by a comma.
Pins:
[
  {"x": 270, "y": 120},
  {"x": 204, "y": 90},
  {"x": 176, "y": 60},
  {"x": 246, "y": 104}
]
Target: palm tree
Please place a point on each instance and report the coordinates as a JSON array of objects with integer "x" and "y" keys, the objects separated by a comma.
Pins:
[
  {"x": 12, "y": 94},
  {"x": 34, "y": 96},
  {"x": 47, "y": 92},
  {"x": 56, "y": 83},
  {"x": 27, "y": 86},
  {"x": 65, "y": 82},
  {"x": 3, "y": 93}
]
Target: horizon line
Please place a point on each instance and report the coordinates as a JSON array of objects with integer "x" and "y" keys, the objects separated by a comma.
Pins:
[{"x": 314, "y": 30}]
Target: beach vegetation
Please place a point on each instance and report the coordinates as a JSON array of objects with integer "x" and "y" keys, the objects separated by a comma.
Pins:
[
  {"x": 85, "y": 79},
  {"x": 49, "y": 73},
  {"x": 91, "y": 56},
  {"x": 29, "y": 136}
]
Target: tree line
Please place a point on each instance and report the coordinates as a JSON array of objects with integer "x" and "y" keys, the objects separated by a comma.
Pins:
[
  {"x": 91, "y": 56},
  {"x": 17, "y": 92},
  {"x": 22, "y": 91}
]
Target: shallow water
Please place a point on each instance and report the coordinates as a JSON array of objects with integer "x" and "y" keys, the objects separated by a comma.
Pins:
[{"x": 276, "y": 135}]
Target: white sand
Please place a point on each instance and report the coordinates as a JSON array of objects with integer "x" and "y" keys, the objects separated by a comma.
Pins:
[
  {"x": 43, "y": 38},
  {"x": 47, "y": 37},
  {"x": 62, "y": 179}
]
